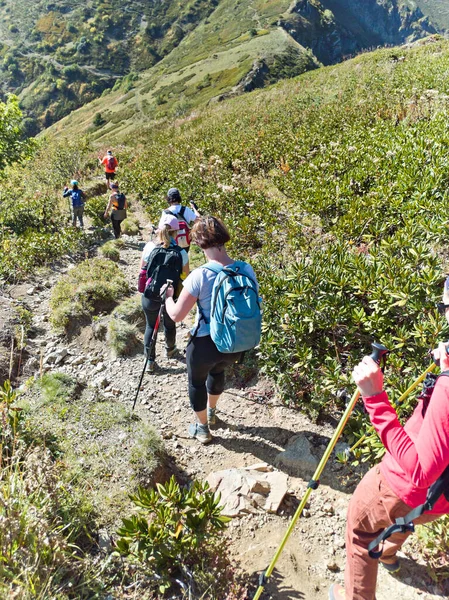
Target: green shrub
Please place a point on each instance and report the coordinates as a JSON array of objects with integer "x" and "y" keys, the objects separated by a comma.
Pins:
[
  {"x": 58, "y": 387},
  {"x": 94, "y": 209},
  {"x": 93, "y": 286},
  {"x": 110, "y": 251},
  {"x": 130, "y": 310},
  {"x": 122, "y": 337},
  {"x": 178, "y": 531},
  {"x": 130, "y": 226}
]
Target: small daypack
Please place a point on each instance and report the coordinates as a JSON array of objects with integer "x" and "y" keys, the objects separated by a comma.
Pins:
[
  {"x": 235, "y": 315},
  {"x": 163, "y": 264},
  {"x": 183, "y": 236},
  {"x": 111, "y": 163},
  {"x": 77, "y": 198}
]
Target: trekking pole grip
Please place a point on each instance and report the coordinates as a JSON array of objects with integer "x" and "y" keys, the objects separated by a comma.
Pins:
[{"x": 379, "y": 353}]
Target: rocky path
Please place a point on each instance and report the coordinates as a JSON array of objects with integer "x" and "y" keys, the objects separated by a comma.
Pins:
[{"x": 253, "y": 427}]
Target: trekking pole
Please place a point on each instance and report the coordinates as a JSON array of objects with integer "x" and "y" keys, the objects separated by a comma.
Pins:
[
  {"x": 401, "y": 399},
  {"x": 152, "y": 342},
  {"x": 378, "y": 354}
]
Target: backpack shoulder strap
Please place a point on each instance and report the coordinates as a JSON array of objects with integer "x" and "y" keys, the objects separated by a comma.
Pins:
[
  {"x": 182, "y": 211},
  {"x": 213, "y": 266},
  {"x": 167, "y": 211}
]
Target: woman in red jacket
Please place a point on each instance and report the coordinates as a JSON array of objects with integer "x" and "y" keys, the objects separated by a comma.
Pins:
[{"x": 416, "y": 455}]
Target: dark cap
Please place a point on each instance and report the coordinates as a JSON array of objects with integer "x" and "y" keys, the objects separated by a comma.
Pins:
[
  {"x": 114, "y": 186},
  {"x": 173, "y": 194}
]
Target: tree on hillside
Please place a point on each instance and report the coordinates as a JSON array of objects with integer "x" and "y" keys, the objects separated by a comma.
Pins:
[{"x": 13, "y": 146}]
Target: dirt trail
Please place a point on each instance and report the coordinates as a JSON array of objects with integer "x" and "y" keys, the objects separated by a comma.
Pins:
[{"x": 253, "y": 427}]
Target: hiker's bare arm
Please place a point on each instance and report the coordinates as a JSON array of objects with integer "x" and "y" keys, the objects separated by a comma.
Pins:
[
  {"x": 108, "y": 208},
  {"x": 180, "y": 309}
]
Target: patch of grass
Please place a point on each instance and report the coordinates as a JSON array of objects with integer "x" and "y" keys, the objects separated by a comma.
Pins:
[
  {"x": 122, "y": 337},
  {"x": 93, "y": 286},
  {"x": 110, "y": 251},
  {"x": 107, "y": 450},
  {"x": 130, "y": 226}
]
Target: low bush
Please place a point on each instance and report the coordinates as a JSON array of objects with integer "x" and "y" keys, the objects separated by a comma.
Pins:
[
  {"x": 130, "y": 226},
  {"x": 110, "y": 251},
  {"x": 93, "y": 286},
  {"x": 122, "y": 337},
  {"x": 177, "y": 537},
  {"x": 94, "y": 209},
  {"x": 125, "y": 326}
]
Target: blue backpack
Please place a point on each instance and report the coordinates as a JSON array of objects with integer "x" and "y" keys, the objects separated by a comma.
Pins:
[
  {"x": 235, "y": 315},
  {"x": 77, "y": 198}
]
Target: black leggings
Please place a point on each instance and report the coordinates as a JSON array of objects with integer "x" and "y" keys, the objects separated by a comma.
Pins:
[
  {"x": 116, "y": 226},
  {"x": 151, "y": 310},
  {"x": 205, "y": 368}
]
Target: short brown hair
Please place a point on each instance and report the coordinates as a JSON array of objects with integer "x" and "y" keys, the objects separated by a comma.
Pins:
[{"x": 209, "y": 232}]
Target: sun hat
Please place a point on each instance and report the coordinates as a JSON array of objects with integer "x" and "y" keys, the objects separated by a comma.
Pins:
[
  {"x": 173, "y": 194},
  {"x": 74, "y": 182},
  {"x": 171, "y": 221},
  {"x": 109, "y": 152}
]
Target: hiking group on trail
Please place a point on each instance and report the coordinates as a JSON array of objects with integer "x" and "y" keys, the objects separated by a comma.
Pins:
[{"x": 228, "y": 322}]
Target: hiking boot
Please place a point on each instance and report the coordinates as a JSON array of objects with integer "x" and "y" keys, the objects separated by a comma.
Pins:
[
  {"x": 336, "y": 592},
  {"x": 151, "y": 366},
  {"x": 172, "y": 352},
  {"x": 211, "y": 417},
  {"x": 391, "y": 567},
  {"x": 200, "y": 432}
]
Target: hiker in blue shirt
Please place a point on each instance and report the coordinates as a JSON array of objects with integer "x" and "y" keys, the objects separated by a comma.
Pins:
[{"x": 77, "y": 198}]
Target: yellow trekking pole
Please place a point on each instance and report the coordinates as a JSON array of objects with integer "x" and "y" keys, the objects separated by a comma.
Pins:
[
  {"x": 378, "y": 354},
  {"x": 399, "y": 401}
]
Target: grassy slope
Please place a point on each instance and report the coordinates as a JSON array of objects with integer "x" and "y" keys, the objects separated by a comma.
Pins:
[
  {"x": 225, "y": 54},
  {"x": 437, "y": 10}
]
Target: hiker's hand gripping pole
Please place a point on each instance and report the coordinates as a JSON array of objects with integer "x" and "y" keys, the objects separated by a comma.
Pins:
[
  {"x": 379, "y": 355},
  {"x": 153, "y": 339}
]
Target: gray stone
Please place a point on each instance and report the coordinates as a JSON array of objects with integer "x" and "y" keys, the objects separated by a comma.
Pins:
[
  {"x": 243, "y": 491},
  {"x": 104, "y": 541},
  {"x": 298, "y": 458}
]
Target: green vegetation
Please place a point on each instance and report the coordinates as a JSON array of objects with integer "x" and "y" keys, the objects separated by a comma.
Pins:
[
  {"x": 186, "y": 523},
  {"x": 94, "y": 286},
  {"x": 125, "y": 327},
  {"x": 335, "y": 187},
  {"x": 34, "y": 220},
  {"x": 130, "y": 226},
  {"x": 110, "y": 250},
  {"x": 240, "y": 46}
]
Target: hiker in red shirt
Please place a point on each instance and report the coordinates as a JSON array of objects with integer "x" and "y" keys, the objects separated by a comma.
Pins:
[
  {"x": 416, "y": 455},
  {"x": 110, "y": 164}
]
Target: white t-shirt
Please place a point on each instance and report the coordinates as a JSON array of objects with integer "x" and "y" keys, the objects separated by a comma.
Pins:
[
  {"x": 199, "y": 284},
  {"x": 150, "y": 246},
  {"x": 188, "y": 217}
]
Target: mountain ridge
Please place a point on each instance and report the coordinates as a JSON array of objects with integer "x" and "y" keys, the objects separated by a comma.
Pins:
[{"x": 76, "y": 53}]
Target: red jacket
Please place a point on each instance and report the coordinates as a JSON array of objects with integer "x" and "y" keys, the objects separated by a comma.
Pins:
[{"x": 417, "y": 453}]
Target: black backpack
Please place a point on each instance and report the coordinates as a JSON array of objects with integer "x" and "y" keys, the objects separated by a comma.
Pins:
[
  {"x": 163, "y": 264},
  {"x": 120, "y": 199}
]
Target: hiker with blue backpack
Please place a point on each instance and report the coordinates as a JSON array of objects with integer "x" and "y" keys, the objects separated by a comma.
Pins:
[
  {"x": 77, "y": 198},
  {"x": 161, "y": 261},
  {"x": 228, "y": 320}
]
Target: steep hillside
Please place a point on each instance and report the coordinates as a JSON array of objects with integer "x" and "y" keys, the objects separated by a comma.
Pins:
[
  {"x": 436, "y": 10},
  {"x": 61, "y": 55}
]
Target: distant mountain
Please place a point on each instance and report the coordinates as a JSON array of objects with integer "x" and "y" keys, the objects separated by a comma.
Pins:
[{"x": 150, "y": 59}]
